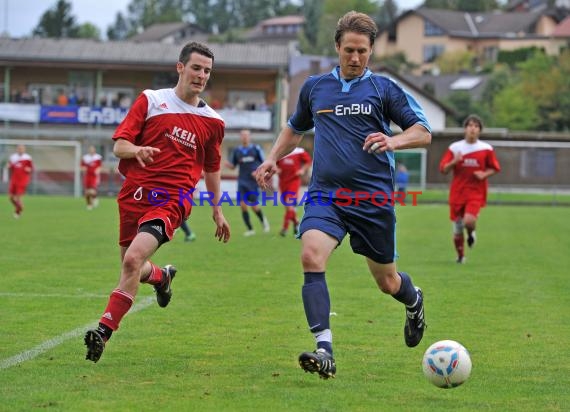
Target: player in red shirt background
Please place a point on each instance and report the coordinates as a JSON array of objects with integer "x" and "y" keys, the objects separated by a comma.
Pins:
[
  {"x": 20, "y": 166},
  {"x": 472, "y": 162},
  {"x": 167, "y": 139},
  {"x": 91, "y": 168},
  {"x": 291, "y": 168}
]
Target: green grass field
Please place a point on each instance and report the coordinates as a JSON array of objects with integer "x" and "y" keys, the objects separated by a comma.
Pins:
[{"x": 230, "y": 338}]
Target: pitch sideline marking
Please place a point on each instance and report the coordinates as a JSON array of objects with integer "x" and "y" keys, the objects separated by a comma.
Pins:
[
  {"x": 58, "y": 340},
  {"x": 51, "y": 295}
]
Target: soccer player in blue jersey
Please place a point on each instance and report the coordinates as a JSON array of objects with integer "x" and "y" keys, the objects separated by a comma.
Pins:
[
  {"x": 350, "y": 109},
  {"x": 247, "y": 158}
]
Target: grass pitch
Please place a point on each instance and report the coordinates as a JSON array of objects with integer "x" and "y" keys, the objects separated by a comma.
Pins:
[{"x": 229, "y": 339}]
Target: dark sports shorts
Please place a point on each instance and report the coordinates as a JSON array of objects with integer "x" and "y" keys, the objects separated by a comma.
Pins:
[
  {"x": 372, "y": 229},
  {"x": 248, "y": 192}
]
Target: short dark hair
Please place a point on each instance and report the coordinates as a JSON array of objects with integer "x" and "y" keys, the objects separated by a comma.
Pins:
[
  {"x": 357, "y": 23},
  {"x": 194, "y": 47},
  {"x": 473, "y": 118}
]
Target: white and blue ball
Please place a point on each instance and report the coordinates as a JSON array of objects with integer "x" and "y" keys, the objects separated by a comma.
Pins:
[{"x": 446, "y": 364}]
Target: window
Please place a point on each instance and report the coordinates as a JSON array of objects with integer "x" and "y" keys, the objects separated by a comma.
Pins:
[
  {"x": 164, "y": 80},
  {"x": 431, "y": 29},
  {"x": 490, "y": 53},
  {"x": 115, "y": 97},
  {"x": 46, "y": 94},
  {"x": 246, "y": 99},
  {"x": 81, "y": 88},
  {"x": 432, "y": 51}
]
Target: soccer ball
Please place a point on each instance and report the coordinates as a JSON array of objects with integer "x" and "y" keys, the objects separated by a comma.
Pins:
[{"x": 446, "y": 364}]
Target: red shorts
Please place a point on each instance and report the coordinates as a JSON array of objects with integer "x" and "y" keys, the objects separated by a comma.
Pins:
[
  {"x": 289, "y": 192},
  {"x": 138, "y": 205},
  {"x": 17, "y": 189},
  {"x": 91, "y": 182},
  {"x": 459, "y": 210}
]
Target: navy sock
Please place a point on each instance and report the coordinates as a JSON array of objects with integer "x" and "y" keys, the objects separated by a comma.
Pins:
[
  {"x": 407, "y": 293},
  {"x": 326, "y": 346},
  {"x": 316, "y": 301},
  {"x": 259, "y": 214},
  {"x": 317, "y": 304},
  {"x": 245, "y": 216}
]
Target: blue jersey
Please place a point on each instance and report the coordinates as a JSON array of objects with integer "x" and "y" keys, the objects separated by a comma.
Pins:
[
  {"x": 248, "y": 159},
  {"x": 343, "y": 113}
]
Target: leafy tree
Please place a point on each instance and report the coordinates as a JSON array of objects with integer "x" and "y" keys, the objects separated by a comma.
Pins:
[
  {"x": 463, "y": 5},
  {"x": 386, "y": 14},
  {"x": 252, "y": 12},
  {"x": 120, "y": 30},
  {"x": 89, "y": 31},
  {"x": 143, "y": 13},
  {"x": 397, "y": 62},
  {"x": 544, "y": 81},
  {"x": 513, "y": 57},
  {"x": 312, "y": 10},
  {"x": 455, "y": 62},
  {"x": 462, "y": 104},
  {"x": 332, "y": 10},
  {"x": 57, "y": 22},
  {"x": 224, "y": 18},
  {"x": 514, "y": 110},
  {"x": 497, "y": 81}
]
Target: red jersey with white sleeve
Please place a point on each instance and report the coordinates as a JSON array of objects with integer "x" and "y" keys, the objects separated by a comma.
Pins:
[
  {"x": 465, "y": 187},
  {"x": 189, "y": 138},
  {"x": 91, "y": 163},
  {"x": 20, "y": 166},
  {"x": 289, "y": 167}
]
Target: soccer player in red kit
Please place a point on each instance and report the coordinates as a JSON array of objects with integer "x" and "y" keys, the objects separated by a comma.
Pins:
[
  {"x": 167, "y": 139},
  {"x": 91, "y": 167},
  {"x": 472, "y": 162},
  {"x": 20, "y": 166},
  {"x": 291, "y": 168}
]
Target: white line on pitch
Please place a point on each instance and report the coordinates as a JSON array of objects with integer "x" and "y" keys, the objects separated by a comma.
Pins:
[
  {"x": 50, "y": 295},
  {"x": 58, "y": 340}
]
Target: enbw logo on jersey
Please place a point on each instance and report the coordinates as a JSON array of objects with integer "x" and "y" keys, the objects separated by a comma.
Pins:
[{"x": 355, "y": 108}]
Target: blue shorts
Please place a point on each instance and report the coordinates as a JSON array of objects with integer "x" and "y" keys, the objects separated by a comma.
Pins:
[
  {"x": 372, "y": 229},
  {"x": 248, "y": 192}
]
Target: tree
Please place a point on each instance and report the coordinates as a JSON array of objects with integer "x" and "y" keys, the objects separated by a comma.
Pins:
[
  {"x": 462, "y": 104},
  {"x": 120, "y": 30},
  {"x": 332, "y": 10},
  {"x": 143, "y": 13},
  {"x": 462, "y": 5},
  {"x": 57, "y": 22},
  {"x": 544, "y": 80},
  {"x": 89, "y": 31},
  {"x": 397, "y": 62},
  {"x": 514, "y": 110},
  {"x": 497, "y": 81},
  {"x": 312, "y": 10},
  {"x": 386, "y": 15},
  {"x": 225, "y": 18},
  {"x": 455, "y": 62}
]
